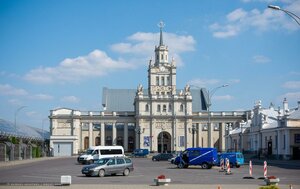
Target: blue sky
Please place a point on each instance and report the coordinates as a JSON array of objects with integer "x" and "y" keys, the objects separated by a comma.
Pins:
[{"x": 62, "y": 53}]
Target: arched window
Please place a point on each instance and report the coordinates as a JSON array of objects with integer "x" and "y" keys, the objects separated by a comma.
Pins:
[
  {"x": 86, "y": 143},
  {"x": 147, "y": 108},
  {"x": 181, "y": 108}
]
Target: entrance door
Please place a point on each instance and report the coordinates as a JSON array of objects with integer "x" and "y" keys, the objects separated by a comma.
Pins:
[
  {"x": 270, "y": 148},
  {"x": 296, "y": 152},
  {"x": 164, "y": 142},
  {"x": 62, "y": 149}
]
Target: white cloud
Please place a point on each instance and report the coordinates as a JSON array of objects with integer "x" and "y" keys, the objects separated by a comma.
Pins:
[
  {"x": 97, "y": 63},
  {"x": 42, "y": 97},
  {"x": 203, "y": 82},
  {"x": 241, "y": 20},
  {"x": 261, "y": 59},
  {"x": 292, "y": 97},
  {"x": 292, "y": 85},
  {"x": 142, "y": 45},
  {"x": 7, "y": 89},
  {"x": 224, "y": 97},
  {"x": 70, "y": 99}
]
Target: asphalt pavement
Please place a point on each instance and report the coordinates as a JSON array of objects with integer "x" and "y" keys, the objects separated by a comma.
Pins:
[{"x": 292, "y": 163}]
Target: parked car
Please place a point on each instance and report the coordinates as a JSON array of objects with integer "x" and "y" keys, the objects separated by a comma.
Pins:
[
  {"x": 109, "y": 166},
  {"x": 162, "y": 157},
  {"x": 140, "y": 153}
]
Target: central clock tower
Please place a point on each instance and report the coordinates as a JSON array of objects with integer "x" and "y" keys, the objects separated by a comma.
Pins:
[{"x": 161, "y": 72}]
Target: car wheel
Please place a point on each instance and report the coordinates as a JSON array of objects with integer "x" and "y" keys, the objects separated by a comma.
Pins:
[
  {"x": 172, "y": 161},
  {"x": 101, "y": 173},
  {"x": 90, "y": 162},
  {"x": 126, "y": 172},
  {"x": 204, "y": 166}
]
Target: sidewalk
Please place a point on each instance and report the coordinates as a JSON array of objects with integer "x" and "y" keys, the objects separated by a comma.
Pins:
[
  {"x": 4, "y": 164},
  {"x": 170, "y": 186}
]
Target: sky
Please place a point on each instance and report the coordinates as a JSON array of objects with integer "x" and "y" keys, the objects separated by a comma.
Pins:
[{"x": 61, "y": 53}]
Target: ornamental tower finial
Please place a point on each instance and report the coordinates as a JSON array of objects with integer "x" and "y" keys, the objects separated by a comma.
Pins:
[{"x": 161, "y": 25}]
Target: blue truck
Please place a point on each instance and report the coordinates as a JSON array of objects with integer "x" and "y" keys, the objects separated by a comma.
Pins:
[
  {"x": 140, "y": 153},
  {"x": 204, "y": 157},
  {"x": 235, "y": 158}
]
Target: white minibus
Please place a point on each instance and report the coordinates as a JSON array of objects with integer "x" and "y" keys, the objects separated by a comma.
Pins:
[{"x": 97, "y": 152}]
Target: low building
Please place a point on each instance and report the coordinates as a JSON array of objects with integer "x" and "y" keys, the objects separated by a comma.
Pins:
[{"x": 273, "y": 133}]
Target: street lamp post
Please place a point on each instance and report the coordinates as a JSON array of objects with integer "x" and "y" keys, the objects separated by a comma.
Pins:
[
  {"x": 292, "y": 15},
  {"x": 16, "y": 113},
  {"x": 43, "y": 135},
  {"x": 208, "y": 104},
  {"x": 139, "y": 131},
  {"x": 193, "y": 130}
]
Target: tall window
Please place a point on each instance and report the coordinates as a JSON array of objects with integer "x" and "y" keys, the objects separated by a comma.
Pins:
[
  {"x": 164, "y": 108},
  {"x": 181, "y": 108},
  {"x": 97, "y": 141},
  {"x": 147, "y": 108},
  {"x": 181, "y": 141},
  {"x": 170, "y": 107},
  {"x": 162, "y": 57},
  {"x": 168, "y": 80},
  {"x": 158, "y": 108},
  {"x": 162, "y": 80},
  {"x": 157, "y": 80}
]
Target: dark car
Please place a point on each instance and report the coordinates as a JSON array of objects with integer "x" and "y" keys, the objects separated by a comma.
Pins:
[
  {"x": 162, "y": 157},
  {"x": 109, "y": 166}
]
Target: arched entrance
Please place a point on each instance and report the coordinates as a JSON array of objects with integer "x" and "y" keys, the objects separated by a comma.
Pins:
[{"x": 164, "y": 142}]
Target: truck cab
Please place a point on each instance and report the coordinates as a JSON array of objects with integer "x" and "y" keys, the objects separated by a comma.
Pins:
[{"x": 235, "y": 158}]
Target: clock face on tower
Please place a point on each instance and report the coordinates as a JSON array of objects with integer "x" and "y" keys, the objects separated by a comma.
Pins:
[{"x": 162, "y": 68}]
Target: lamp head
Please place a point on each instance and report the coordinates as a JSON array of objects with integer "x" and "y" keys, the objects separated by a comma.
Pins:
[{"x": 274, "y": 7}]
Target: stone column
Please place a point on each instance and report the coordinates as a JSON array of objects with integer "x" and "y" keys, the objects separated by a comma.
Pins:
[
  {"x": 125, "y": 137},
  {"x": 102, "y": 126},
  {"x": 222, "y": 137},
  {"x": 287, "y": 144},
  {"x": 278, "y": 143},
  {"x": 114, "y": 134},
  {"x": 90, "y": 134}
]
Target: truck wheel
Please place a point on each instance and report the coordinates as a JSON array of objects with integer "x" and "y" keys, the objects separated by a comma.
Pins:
[
  {"x": 237, "y": 166},
  {"x": 204, "y": 166},
  {"x": 101, "y": 173},
  {"x": 180, "y": 165}
]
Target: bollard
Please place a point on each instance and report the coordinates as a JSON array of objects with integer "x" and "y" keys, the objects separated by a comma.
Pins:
[
  {"x": 265, "y": 171},
  {"x": 250, "y": 171},
  {"x": 222, "y": 165},
  {"x": 219, "y": 187},
  {"x": 228, "y": 171},
  {"x": 291, "y": 186}
]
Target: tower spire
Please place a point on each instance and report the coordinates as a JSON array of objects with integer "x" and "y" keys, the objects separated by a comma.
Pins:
[{"x": 161, "y": 25}]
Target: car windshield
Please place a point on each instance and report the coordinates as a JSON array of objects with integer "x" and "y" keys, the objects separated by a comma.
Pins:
[
  {"x": 102, "y": 161},
  {"x": 89, "y": 151}
]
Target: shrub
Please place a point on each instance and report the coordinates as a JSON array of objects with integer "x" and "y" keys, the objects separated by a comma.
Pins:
[{"x": 269, "y": 187}]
